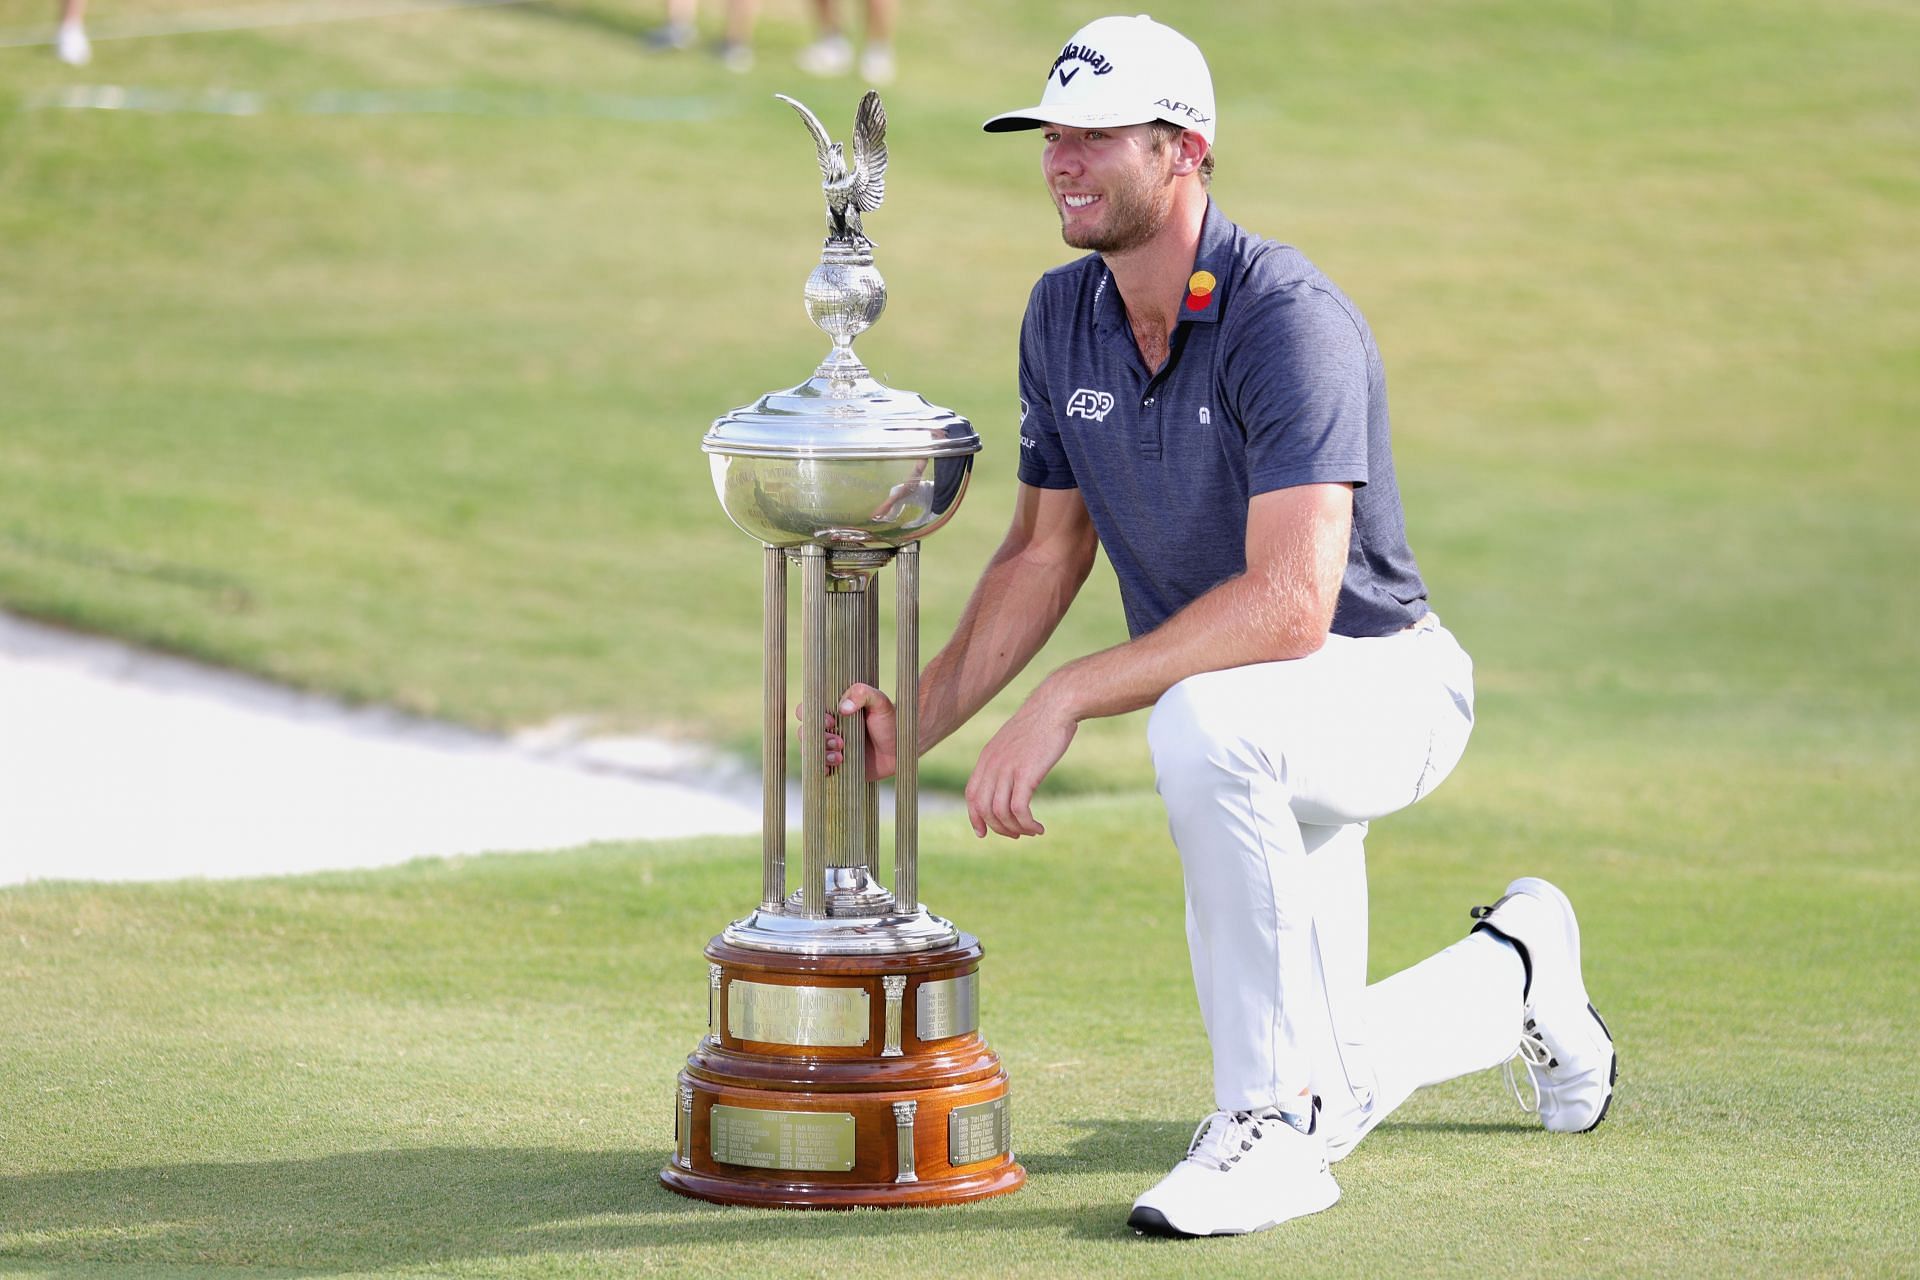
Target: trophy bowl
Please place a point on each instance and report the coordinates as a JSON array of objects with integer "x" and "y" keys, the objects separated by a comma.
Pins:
[{"x": 868, "y": 467}]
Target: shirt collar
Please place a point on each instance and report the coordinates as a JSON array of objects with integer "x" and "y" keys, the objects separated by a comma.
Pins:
[
  {"x": 1109, "y": 313},
  {"x": 1205, "y": 285},
  {"x": 1211, "y": 262}
]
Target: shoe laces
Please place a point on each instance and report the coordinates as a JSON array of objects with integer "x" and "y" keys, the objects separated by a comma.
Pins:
[
  {"x": 1537, "y": 1060},
  {"x": 1223, "y": 1137}
]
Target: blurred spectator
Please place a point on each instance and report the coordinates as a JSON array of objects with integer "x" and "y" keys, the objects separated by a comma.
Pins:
[
  {"x": 72, "y": 45},
  {"x": 735, "y": 49},
  {"x": 832, "y": 53}
]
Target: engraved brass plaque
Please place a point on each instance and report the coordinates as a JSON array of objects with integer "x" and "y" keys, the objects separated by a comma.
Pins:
[
  {"x": 982, "y": 1131},
  {"x": 774, "y": 1014},
  {"x": 812, "y": 1140},
  {"x": 950, "y": 1007}
]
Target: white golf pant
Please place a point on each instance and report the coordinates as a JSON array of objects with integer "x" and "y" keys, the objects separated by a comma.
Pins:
[{"x": 1270, "y": 774}]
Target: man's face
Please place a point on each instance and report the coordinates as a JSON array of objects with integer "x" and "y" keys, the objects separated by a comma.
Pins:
[{"x": 1112, "y": 187}]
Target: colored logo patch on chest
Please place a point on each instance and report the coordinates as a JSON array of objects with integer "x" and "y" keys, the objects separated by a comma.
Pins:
[{"x": 1200, "y": 286}]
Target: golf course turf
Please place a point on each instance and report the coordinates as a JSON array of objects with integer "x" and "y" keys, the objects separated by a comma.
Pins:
[{"x": 392, "y": 385}]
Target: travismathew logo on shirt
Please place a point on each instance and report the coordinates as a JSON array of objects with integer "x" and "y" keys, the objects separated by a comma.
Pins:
[
  {"x": 1090, "y": 404},
  {"x": 1079, "y": 53}
]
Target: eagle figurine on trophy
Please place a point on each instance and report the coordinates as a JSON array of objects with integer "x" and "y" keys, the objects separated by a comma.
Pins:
[{"x": 851, "y": 191}]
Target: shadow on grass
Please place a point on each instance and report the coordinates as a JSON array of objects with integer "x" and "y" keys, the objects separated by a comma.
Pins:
[
  {"x": 1151, "y": 1147},
  {"x": 1116, "y": 1146},
  {"x": 371, "y": 1209}
]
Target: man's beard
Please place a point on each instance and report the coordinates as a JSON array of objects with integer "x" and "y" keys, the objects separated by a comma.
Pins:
[{"x": 1135, "y": 214}]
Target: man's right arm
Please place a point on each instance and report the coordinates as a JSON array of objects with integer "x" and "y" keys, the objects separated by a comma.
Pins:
[{"x": 1021, "y": 596}]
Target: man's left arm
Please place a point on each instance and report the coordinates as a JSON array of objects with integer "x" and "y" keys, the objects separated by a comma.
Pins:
[{"x": 1278, "y": 609}]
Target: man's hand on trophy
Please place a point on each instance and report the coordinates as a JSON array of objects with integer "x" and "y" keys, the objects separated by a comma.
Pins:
[{"x": 882, "y": 736}]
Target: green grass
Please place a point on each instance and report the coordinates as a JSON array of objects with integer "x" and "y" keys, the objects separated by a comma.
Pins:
[
  {"x": 467, "y": 1067},
  {"x": 407, "y": 408}
]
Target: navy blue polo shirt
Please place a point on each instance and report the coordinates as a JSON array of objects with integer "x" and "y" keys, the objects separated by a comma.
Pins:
[{"x": 1272, "y": 380}]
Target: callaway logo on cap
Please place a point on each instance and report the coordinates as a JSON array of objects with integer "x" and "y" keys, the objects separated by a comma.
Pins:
[{"x": 1122, "y": 71}]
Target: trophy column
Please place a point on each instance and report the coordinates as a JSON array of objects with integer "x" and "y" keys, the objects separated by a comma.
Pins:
[
  {"x": 906, "y": 721},
  {"x": 843, "y": 1062}
]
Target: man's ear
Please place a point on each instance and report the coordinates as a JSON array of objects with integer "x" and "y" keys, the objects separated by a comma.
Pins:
[{"x": 1188, "y": 152}]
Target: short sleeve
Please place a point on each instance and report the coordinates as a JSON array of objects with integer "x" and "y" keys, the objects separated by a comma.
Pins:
[
  {"x": 1043, "y": 460},
  {"x": 1296, "y": 374}
]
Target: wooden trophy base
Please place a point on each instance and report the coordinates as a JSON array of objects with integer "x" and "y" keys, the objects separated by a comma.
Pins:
[{"x": 826, "y": 1082}]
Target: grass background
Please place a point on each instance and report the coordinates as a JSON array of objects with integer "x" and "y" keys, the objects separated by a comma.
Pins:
[
  {"x": 467, "y": 1067},
  {"x": 406, "y": 406}
]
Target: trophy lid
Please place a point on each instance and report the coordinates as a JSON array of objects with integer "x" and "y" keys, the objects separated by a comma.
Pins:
[
  {"x": 842, "y": 411},
  {"x": 834, "y": 417}
]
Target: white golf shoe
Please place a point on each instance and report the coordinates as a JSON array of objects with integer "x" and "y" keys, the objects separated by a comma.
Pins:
[
  {"x": 1243, "y": 1172},
  {"x": 72, "y": 46},
  {"x": 670, "y": 37},
  {"x": 1566, "y": 1047},
  {"x": 876, "y": 64},
  {"x": 830, "y": 55}
]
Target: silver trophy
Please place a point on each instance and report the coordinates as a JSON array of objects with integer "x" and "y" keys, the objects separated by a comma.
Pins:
[
  {"x": 841, "y": 475},
  {"x": 843, "y": 1062}
]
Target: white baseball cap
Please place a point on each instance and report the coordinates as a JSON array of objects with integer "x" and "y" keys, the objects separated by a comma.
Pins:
[{"x": 1121, "y": 71}]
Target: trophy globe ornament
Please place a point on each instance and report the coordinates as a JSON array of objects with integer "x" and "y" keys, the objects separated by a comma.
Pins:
[
  {"x": 845, "y": 294},
  {"x": 843, "y": 1063}
]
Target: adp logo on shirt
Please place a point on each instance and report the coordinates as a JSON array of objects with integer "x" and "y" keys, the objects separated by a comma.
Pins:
[{"x": 1090, "y": 404}]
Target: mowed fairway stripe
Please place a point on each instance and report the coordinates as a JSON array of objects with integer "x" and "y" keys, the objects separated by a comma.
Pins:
[
  {"x": 365, "y": 102},
  {"x": 207, "y": 20}
]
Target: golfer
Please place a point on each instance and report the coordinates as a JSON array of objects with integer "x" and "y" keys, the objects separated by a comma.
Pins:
[{"x": 1211, "y": 410}]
